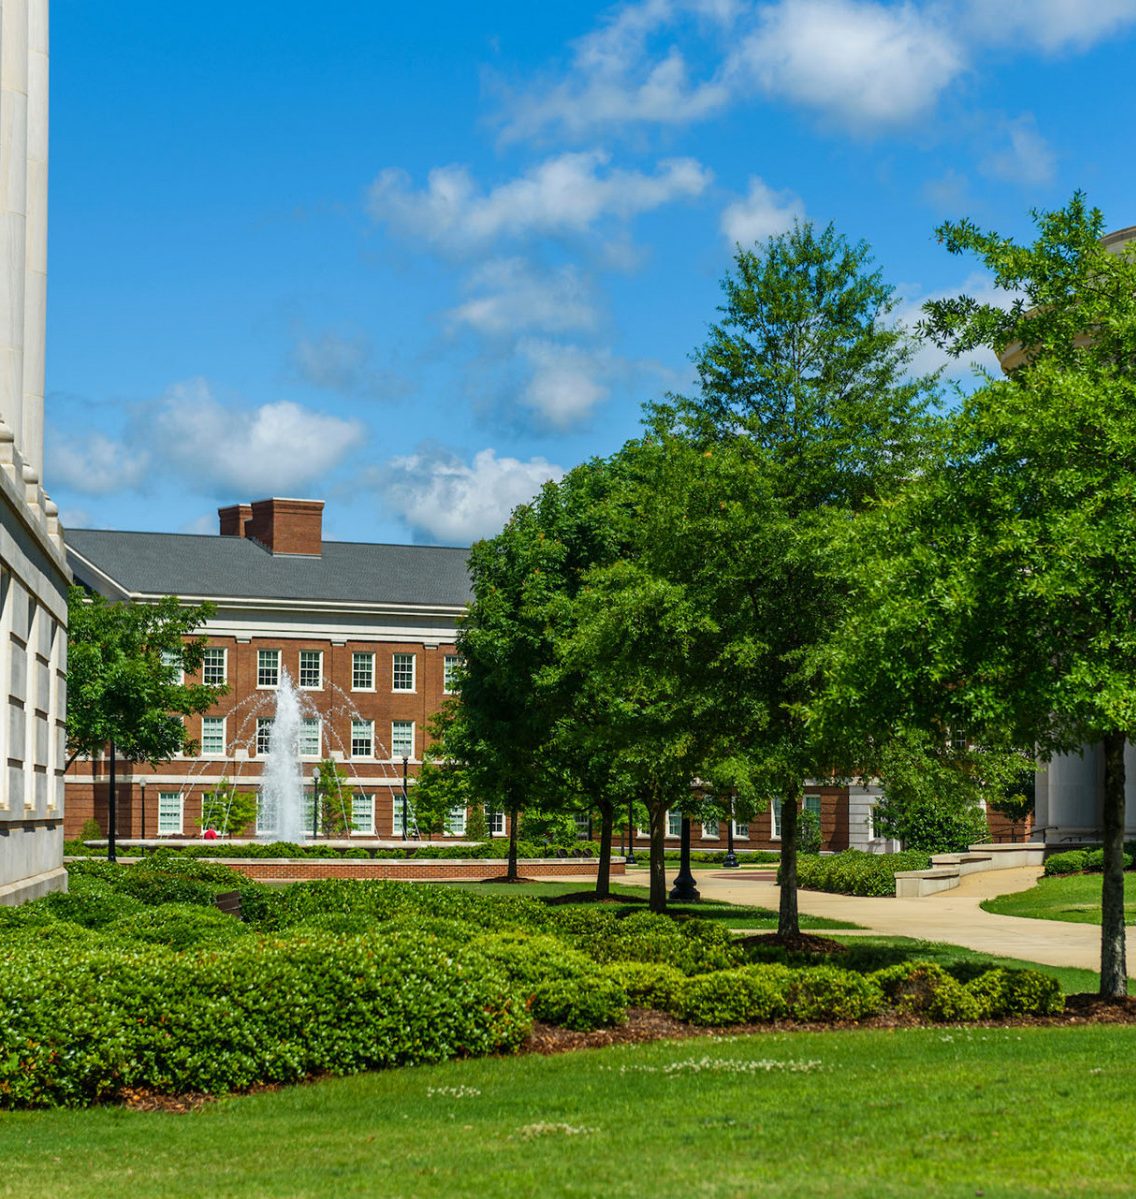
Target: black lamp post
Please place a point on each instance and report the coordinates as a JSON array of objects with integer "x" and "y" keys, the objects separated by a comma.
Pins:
[
  {"x": 142, "y": 786},
  {"x": 630, "y": 833},
  {"x": 315, "y": 802},
  {"x": 112, "y": 811},
  {"x": 405, "y": 799},
  {"x": 684, "y": 890},
  {"x": 731, "y": 858}
]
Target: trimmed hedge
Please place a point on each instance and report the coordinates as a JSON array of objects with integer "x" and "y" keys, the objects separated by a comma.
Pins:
[
  {"x": 854, "y": 872},
  {"x": 1089, "y": 861},
  {"x": 496, "y": 848}
]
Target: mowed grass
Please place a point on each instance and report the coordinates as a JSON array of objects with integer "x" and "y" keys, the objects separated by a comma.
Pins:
[
  {"x": 732, "y": 915},
  {"x": 1072, "y": 897},
  {"x": 935, "y": 1112}
]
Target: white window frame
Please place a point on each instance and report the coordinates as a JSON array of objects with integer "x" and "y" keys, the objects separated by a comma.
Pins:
[
  {"x": 711, "y": 828},
  {"x": 368, "y": 734},
  {"x": 582, "y": 822},
  {"x": 497, "y": 824},
  {"x": 306, "y": 723},
  {"x": 171, "y": 660},
  {"x": 397, "y": 756},
  {"x": 741, "y": 830},
  {"x": 395, "y": 661},
  {"x": 262, "y": 669},
  {"x": 674, "y": 824},
  {"x": 317, "y": 686},
  {"x": 167, "y": 797},
  {"x": 366, "y": 826},
  {"x": 805, "y": 807},
  {"x": 396, "y": 818},
  {"x": 215, "y": 721},
  {"x": 456, "y": 822},
  {"x": 263, "y": 725},
  {"x": 451, "y": 664},
  {"x": 207, "y": 666},
  {"x": 357, "y": 657},
  {"x": 775, "y": 819}
]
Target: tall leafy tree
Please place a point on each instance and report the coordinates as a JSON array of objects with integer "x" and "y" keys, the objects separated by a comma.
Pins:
[
  {"x": 999, "y": 591},
  {"x": 808, "y": 413}
]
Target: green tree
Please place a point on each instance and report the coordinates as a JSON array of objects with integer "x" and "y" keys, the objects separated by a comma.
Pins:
[
  {"x": 333, "y": 793},
  {"x": 228, "y": 811},
  {"x": 805, "y": 415},
  {"x": 999, "y": 591}
]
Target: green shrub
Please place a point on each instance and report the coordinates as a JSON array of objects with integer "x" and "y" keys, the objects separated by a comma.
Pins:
[
  {"x": 532, "y": 958},
  {"x": 79, "y": 1024},
  {"x": 1002, "y": 992},
  {"x": 692, "y": 946},
  {"x": 854, "y": 872},
  {"x": 648, "y": 984},
  {"x": 580, "y": 1003},
  {"x": 749, "y": 995},
  {"x": 925, "y": 989},
  {"x": 825, "y": 993},
  {"x": 178, "y": 925},
  {"x": 808, "y": 832},
  {"x": 1072, "y": 861}
]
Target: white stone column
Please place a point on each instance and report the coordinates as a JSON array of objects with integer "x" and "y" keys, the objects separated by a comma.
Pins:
[
  {"x": 35, "y": 264},
  {"x": 13, "y": 209}
]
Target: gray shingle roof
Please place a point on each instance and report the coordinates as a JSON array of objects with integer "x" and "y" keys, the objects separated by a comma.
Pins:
[{"x": 195, "y": 565}]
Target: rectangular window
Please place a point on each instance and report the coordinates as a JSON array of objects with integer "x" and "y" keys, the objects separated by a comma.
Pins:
[
  {"x": 455, "y": 822},
  {"x": 741, "y": 830},
  {"x": 812, "y": 804},
  {"x": 362, "y": 672},
  {"x": 396, "y": 822},
  {"x": 403, "y": 672},
  {"x": 362, "y": 738},
  {"x": 311, "y": 669},
  {"x": 402, "y": 739},
  {"x": 268, "y": 668},
  {"x": 674, "y": 824},
  {"x": 775, "y": 819},
  {"x": 362, "y": 813},
  {"x": 310, "y": 737},
  {"x": 212, "y": 736},
  {"x": 450, "y": 674},
  {"x": 497, "y": 823},
  {"x": 710, "y": 828},
  {"x": 171, "y": 660},
  {"x": 263, "y": 734},
  {"x": 169, "y": 813},
  {"x": 213, "y": 666},
  {"x": 582, "y": 825}
]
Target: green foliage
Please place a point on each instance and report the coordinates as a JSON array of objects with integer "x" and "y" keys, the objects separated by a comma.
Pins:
[
  {"x": 1072, "y": 861},
  {"x": 820, "y": 994},
  {"x": 597, "y": 1002},
  {"x": 854, "y": 872},
  {"x": 808, "y": 832},
  {"x": 333, "y": 793},
  {"x": 118, "y": 687},
  {"x": 693, "y": 947},
  {"x": 229, "y": 812},
  {"x": 1016, "y": 993},
  {"x": 178, "y": 925},
  {"x": 925, "y": 989},
  {"x": 90, "y": 831},
  {"x": 748, "y": 995},
  {"x": 648, "y": 984}
]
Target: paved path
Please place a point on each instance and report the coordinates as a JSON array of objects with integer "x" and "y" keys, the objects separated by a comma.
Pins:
[{"x": 951, "y": 916}]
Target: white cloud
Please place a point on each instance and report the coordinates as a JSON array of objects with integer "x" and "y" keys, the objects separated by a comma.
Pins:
[
  {"x": 273, "y": 449},
  {"x": 863, "y": 65},
  {"x": 929, "y": 358},
  {"x": 95, "y": 465},
  {"x": 343, "y": 364},
  {"x": 614, "y": 79},
  {"x": 512, "y": 296},
  {"x": 445, "y": 499},
  {"x": 1024, "y": 157},
  {"x": 568, "y": 193},
  {"x": 566, "y": 383},
  {"x": 1050, "y": 25},
  {"x": 763, "y": 213}
]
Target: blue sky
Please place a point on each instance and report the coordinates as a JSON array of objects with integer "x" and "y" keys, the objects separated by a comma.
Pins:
[{"x": 414, "y": 260}]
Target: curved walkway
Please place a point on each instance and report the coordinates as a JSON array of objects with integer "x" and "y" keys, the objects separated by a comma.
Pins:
[{"x": 951, "y": 916}]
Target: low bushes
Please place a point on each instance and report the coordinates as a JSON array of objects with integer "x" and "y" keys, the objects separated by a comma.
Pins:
[
  {"x": 854, "y": 872},
  {"x": 495, "y": 848},
  {"x": 1089, "y": 861}
]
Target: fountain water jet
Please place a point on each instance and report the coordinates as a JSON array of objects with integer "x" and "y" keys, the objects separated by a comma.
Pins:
[{"x": 282, "y": 784}]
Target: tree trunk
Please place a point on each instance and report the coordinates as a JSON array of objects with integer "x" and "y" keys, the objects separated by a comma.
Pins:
[
  {"x": 1114, "y": 971},
  {"x": 607, "y": 830},
  {"x": 658, "y": 859},
  {"x": 511, "y": 874},
  {"x": 788, "y": 924}
]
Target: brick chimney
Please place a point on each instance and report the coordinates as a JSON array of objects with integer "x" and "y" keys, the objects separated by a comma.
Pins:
[
  {"x": 234, "y": 519},
  {"x": 287, "y": 526}
]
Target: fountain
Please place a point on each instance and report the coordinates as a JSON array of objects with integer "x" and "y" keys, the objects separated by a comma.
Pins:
[{"x": 282, "y": 784}]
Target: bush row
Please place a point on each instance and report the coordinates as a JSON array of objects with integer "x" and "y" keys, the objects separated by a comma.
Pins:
[
  {"x": 854, "y": 872},
  {"x": 1076, "y": 861},
  {"x": 496, "y": 848}
]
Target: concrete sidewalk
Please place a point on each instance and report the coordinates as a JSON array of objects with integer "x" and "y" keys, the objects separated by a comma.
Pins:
[{"x": 951, "y": 916}]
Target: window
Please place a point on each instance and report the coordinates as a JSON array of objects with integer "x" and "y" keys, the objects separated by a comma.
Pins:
[
  {"x": 812, "y": 804},
  {"x": 403, "y": 672},
  {"x": 874, "y": 833},
  {"x": 775, "y": 817},
  {"x": 741, "y": 830},
  {"x": 396, "y": 823},
  {"x": 213, "y": 736},
  {"x": 169, "y": 813},
  {"x": 450, "y": 673},
  {"x": 583, "y": 825},
  {"x": 265, "y": 815},
  {"x": 674, "y": 824},
  {"x": 497, "y": 824},
  {"x": 710, "y": 828},
  {"x": 310, "y": 737},
  {"x": 268, "y": 668},
  {"x": 263, "y": 733},
  {"x": 213, "y": 666},
  {"x": 402, "y": 739},
  {"x": 362, "y": 738},
  {"x": 171, "y": 660},
  {"x": 362, "y": 672},
  {"x": 362, "y": 813},
  {"x": 311, "y": 669},
  {"x": 455, "y": 822}
]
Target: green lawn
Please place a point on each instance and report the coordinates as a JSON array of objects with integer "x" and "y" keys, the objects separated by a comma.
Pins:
[
  {"x": 732, "y": 915},
  {"x": 1073, "y": 897},
  {"x": 935, "y": 1112}
]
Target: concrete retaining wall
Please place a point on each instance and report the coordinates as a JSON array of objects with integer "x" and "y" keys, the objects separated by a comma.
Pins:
[{"x": 947, "y": 868}]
